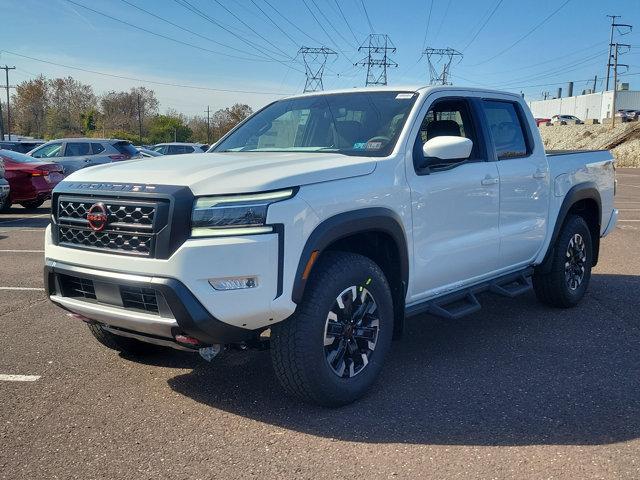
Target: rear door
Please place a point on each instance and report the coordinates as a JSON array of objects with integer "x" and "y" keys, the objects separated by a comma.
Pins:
[
  {"x": 524, "y": 182},
  {"x": 77, "y": 155},
  {"x": 454, "y": 204}
]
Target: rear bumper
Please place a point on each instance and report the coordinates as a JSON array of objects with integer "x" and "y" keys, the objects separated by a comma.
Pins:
[
  {"x": 613, "y": 220},
  {"x": 178, "y": 310}
]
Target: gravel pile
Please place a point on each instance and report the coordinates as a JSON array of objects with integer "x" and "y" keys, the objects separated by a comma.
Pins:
[{"x": 595, "y": 137}]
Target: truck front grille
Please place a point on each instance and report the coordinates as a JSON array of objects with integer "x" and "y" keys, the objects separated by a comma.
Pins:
[{"x": 128, "y": 226}]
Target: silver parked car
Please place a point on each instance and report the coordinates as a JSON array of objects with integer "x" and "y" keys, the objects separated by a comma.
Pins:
[
  {"x": 177, "y": 148},
  {"x": 76, "y": 153}
]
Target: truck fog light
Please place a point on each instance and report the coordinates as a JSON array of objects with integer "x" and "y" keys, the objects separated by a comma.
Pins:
[{"x": 235, "y": 283}]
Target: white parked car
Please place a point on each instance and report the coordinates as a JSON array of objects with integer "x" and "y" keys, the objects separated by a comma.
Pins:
[
  {"x": 565, "y": 118},
  {"x": 321, "y": 222}
]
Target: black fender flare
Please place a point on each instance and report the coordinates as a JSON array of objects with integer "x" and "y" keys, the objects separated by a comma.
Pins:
[
  {"x": 581, "y": 191},
  {"x": 342, "y": 225}
]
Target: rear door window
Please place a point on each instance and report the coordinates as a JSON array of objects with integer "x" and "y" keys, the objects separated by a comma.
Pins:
[
  {"x": 126, "y": 148},
  {"x": 50, "y": 150},
  {"x": 507, "y": 129},
  {"x": 97, "y": 148},
  {"x": 77, "y": 149}
]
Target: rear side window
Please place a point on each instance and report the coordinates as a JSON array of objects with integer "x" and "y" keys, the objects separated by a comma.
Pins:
[
  {"x": 506, "y": 128},
  {"x": 179, "y": 149},
  {"x": 75, "y": 149},
  {"x": 97, "y": 148},
  {"x": 204, "y": 148},
  {"x": 50, "y": 150},
  {"x": 126, "y": 148}
]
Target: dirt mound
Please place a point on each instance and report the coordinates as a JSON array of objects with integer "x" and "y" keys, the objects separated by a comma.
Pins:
[{"x": 623, "y": 140}]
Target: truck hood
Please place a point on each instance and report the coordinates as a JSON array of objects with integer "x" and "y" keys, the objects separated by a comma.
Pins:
[{"x": 233, "y": 172}]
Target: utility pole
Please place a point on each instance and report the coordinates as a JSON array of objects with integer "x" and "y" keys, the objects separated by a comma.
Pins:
[
  {"x": 595, "y": 81},
  {"x": 377, "y": 60},
  {"x": 208, "y": 126},
  {"x": 614, "y": 25},
  {"x": 444, "y": 54},
  {"x": 616, "y": 52},
  {"x": 315, "y": 59},
  {"x": 139, "y": 120},
  {"x": 6, "y": 69}
]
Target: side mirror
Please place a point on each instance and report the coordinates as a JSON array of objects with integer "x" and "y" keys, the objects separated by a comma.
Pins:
[{"x": 447, "y": 148}]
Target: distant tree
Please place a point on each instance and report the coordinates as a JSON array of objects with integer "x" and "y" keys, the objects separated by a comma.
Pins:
[
  {"x": 89, "y": 121},
  {"x": 167, "y": 128},
  {"x": 227, "y": 118},
  {"x": 68, "y": 100},
  {"x": 128, "y": 111},
  {"x": 29, "y": 107},
  {"x": 198, "y": 126}
]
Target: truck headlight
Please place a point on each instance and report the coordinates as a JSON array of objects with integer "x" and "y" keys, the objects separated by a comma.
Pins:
[{"x": 234, "y": 214}]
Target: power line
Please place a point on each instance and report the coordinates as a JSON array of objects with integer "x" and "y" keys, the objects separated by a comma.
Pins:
[
  {"x": 192, "y": 32},
  {"x": 426, "y": 30},
  {"x": 495, "y": 9},
  {"x": 157, "y": 34},
  {"x": 186, "y": 4},
  {"x": 292, "y": 23},
  {"x": 321, "y": 26},
  {"x": 251, "y": 28},
  {"x": 366, "y": 14},
  {"x": 345, "y": 20},
  {"x": 332, "y": 25},
  {"x": 142, "y": 80},
  {"x": 505, "y": 50},
  {"x": 446, "y": 11},
  {"x": 293, "y": 40}
]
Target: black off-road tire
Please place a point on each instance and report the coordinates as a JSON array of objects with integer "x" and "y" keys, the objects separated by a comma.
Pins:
[
  {"x": 5, "y": 205},
  {"x": 553, "y": 288},
  {"x": 298, "y": 344},
  {"x": 32, "y": 204},
  {"x": 125, "y": 345}
]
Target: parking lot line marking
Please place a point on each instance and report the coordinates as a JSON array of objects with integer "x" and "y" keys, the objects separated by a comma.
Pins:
[
  {"x": 619, "y": 220},
  {"x": 620, "y": 210},
  {"x": 26, "y": 289},
  {"x": 22, "y": 251},
  {"x": 627, "y": 185},
  {"x": 24, "y": 219},
  {"x": 22, "y": 230},
  {"x": 19, "y": 378}
]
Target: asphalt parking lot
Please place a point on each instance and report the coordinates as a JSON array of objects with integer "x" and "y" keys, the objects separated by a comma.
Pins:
[{"x": 517, "y": 390}]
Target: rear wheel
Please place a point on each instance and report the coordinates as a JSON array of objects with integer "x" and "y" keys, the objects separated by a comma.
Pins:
[
  {"x": 332, "y": 349},
  {"x": 32, "y": 204},
  {"x": 568, "y": 278},
  {"x": 125, "y": 345}
]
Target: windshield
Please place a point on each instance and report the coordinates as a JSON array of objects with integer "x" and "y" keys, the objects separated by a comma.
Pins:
[{"x": 359, "y": 123}]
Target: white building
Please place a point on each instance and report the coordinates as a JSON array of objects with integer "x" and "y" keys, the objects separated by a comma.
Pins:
[{"x": 594, "y": 105}]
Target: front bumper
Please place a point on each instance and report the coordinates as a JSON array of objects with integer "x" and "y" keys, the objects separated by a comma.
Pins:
[{"x": 178, "y": 310}]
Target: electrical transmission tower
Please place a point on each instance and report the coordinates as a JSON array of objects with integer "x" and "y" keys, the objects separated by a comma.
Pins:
[
  {"x": 378, "y": 47},
  {"x": 315, "y": 59},
  {"x": 434, "y": 57}
]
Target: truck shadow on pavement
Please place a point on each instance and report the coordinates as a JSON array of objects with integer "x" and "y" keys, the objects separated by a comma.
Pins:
[{"x": 516, "y": 373}]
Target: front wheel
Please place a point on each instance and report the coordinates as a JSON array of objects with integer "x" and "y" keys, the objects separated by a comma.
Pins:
[
  {"x": 332, "y": 349},
  {"x": 567, "y": 280},
  {"x": 32, "y": 204}
]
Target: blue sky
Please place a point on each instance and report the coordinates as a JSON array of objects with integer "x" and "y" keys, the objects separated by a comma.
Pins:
[{"x": 571, "y": 45}]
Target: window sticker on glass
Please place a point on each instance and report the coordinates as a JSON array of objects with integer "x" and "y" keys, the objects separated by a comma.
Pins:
[
  {"x": 373, "y": 145},
  {"x": 404, "y": 96},
  {"x": 359, "y": 145}
]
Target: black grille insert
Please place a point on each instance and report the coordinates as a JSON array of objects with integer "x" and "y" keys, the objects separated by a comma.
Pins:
[
  {"x": 139, "y": 298},
  {"x": 131, "y": 226},
  {"x": 77, "y": 287}
]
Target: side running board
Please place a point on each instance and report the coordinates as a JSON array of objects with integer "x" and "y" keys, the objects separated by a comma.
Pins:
[{"x": 456, "y": 305}]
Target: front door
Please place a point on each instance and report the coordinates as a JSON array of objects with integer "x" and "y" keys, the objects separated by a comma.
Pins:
[{"x": 455, "y": 205}]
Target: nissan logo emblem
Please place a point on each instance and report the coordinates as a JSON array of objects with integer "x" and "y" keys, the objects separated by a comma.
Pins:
[{"x": 97, "y": 217}]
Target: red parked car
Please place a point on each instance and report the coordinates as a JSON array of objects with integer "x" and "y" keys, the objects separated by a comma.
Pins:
[{"x": 30, "y": 180}]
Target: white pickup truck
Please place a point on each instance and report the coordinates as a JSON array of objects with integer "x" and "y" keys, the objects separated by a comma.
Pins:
[{"x": 321, "y": 222}]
